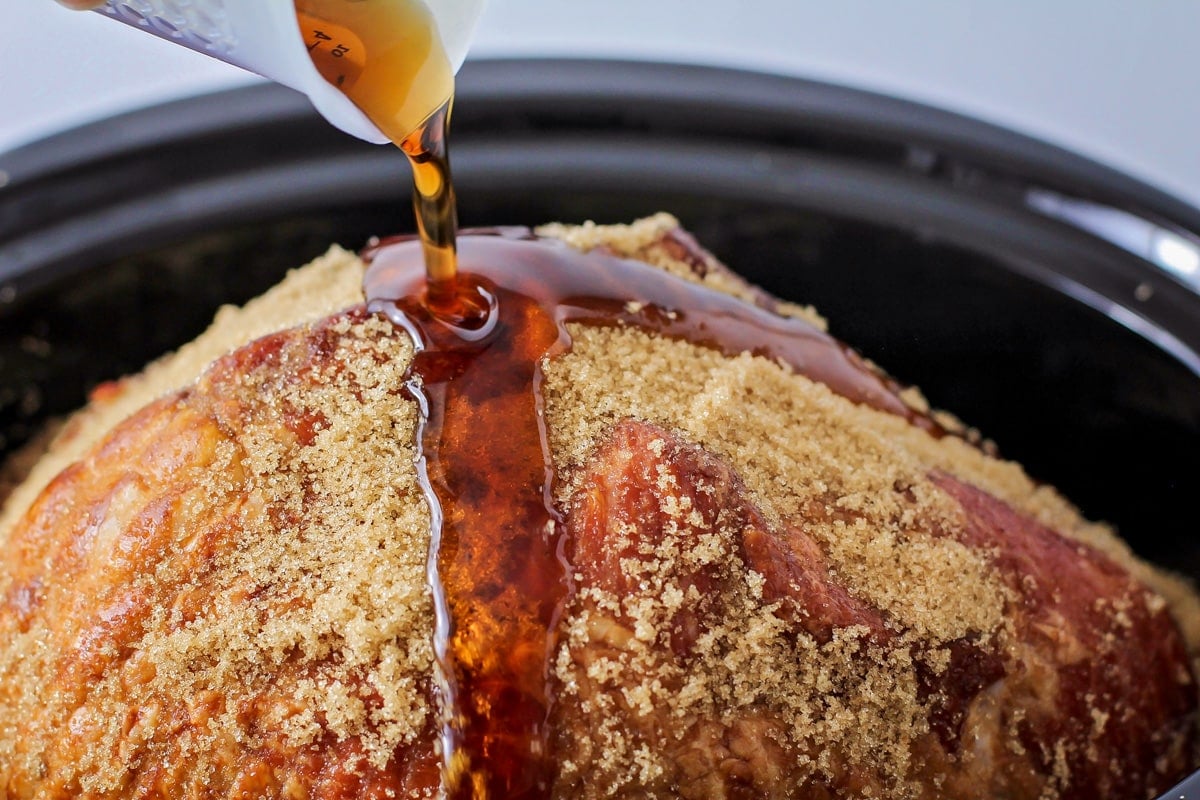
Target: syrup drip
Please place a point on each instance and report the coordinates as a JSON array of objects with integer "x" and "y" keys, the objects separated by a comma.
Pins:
[
  {"x": 435, "y": 206},
  {"x": 388, "y": 58},
  {"x": 496, "y": 563}
]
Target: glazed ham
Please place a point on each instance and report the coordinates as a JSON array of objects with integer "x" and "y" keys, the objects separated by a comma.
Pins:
[{"x": 214, "y": 584}]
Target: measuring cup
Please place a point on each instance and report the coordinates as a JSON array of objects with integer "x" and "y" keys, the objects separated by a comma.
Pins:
[{"x": 264, "y": 36}]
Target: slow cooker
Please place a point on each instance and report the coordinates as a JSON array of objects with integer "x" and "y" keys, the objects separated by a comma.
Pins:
[{"x": 1044, "y": 298}]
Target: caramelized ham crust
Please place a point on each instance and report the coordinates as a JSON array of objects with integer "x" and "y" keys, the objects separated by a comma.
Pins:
[{"x": 776, "y": 593}]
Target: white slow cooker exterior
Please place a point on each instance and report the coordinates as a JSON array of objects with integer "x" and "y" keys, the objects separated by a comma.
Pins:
[{"x": 1109, "y": 80}]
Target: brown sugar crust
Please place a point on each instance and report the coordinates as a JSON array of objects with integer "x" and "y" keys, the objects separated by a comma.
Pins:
[
  {"x": 710, "y": 653},
  {"x": 226, "y": 598},
  {"x": 224, "y": 595},
  {"x": 330, "y": 283}
]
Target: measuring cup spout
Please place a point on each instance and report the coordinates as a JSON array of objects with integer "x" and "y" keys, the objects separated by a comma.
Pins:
[{"x": 264, "y": 36}]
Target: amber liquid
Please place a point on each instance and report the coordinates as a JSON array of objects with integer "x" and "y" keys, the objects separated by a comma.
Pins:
[
  {"x": 498, "y": 564},
  {"x": 387, "y": 57}
]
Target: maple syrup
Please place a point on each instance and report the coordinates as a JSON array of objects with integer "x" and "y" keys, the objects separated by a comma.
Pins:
[
  {"x": 388, "y": 58},
  {"x": 496, "y": 565}
]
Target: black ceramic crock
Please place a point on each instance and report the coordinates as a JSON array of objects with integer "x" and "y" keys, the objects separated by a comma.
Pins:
[{"x": 935, "y": 244}]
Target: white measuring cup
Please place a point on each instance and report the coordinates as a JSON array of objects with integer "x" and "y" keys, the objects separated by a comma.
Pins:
[{"x": 264, "y": 36}]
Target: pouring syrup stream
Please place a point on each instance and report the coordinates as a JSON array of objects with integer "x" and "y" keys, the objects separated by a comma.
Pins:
[
  {"x": 387, "y": 57},
  {"x": 498, "y": 564}
]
